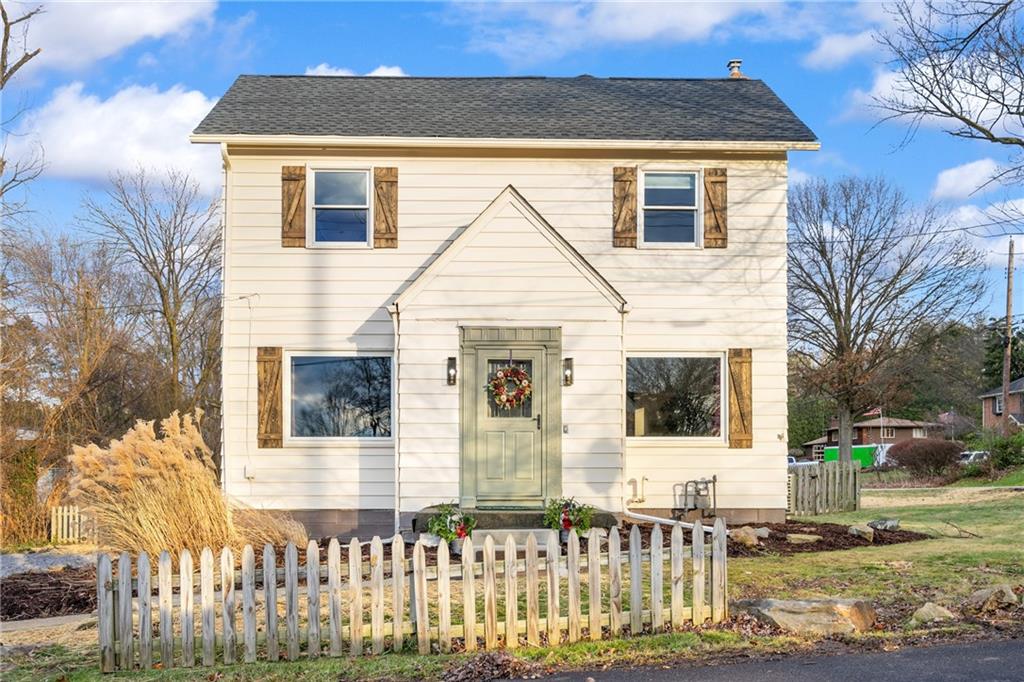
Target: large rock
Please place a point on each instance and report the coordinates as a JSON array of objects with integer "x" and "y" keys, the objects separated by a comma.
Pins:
[
  {"x": 931, "y": 613},
  {"x": 819, "y": 617},
  {"x": 862, "y": 531},
  {"x": 801, "y": 538},
  {"x": 992, "y": 598},
  {"x": 745, "y": 536},
  {"x": 885, "y": 524}
]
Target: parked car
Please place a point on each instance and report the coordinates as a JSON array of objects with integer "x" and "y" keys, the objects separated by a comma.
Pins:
[
  {"x": 794, "y": 462},
  {"x": 973, "y": 457}
]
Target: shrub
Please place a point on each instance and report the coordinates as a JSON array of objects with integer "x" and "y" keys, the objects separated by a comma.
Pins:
[
  {"x": 449, "y": 522},
  {"x": 150, "y": 493},
  {"x": 1005, "y": 452},
  {"x": 24, "y": 516},
  {"x": 925, "y": 456}
]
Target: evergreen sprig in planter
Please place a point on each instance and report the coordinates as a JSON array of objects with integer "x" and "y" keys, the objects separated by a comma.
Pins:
[
  {"x": 566, "y": 514},
  {"x": 451, "y": 525}
]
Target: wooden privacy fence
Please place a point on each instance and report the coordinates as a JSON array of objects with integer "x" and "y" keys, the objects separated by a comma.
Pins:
[
  {"x": 69, "y": 526},
  {"x": 533, "y": 600},
  {"x": 824, "y": 487}
]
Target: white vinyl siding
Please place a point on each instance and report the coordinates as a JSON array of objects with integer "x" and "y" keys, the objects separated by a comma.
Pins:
[{"x": 685, "y": 301}]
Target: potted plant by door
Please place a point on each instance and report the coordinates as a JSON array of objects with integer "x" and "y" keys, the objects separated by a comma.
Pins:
[
  {"x": 451, "y": 525},
  {"x": 565, "y": 514}
]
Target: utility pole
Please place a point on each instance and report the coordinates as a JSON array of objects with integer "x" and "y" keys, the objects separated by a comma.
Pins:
[{"x": 1008, "y": 346}]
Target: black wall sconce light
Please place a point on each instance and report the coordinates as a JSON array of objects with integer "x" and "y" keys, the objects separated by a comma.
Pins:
[
  {"x": 452, "y": 372},
  {"x": 567, "y": 376}
]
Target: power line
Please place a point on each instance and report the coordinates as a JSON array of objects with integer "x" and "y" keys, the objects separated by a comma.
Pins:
[
  {"x": 949, "y": 230},
  {"x": 145, "y": 307}
]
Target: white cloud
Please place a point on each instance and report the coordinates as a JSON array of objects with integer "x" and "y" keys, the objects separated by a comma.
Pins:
[
  {"x": 325, "y": 69},
  {"x": 836, "y": 49},
  {"x": 74, "y": 35},
  {"x": 864, "y": 103},
  {"x": 87, "y": 138},
  {"x": 984, "y": 230},
  {"x": 964, "y": 180},
  {"x": 797, "y": 176}
]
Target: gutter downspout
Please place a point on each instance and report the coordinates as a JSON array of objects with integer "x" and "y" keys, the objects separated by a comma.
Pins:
[
  {"x": 397, "y": 418},
  {"x": 225, "y": 171}
]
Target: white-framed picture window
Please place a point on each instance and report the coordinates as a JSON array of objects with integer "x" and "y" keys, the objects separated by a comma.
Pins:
[
  {"x": 675, "y": 396},
  {"x": 888, "y": 432},
  {"x": 339, "y": 213},
  {"x": 818, "y": 452},
  {"x": 999, "y": 404},
  {"x": 670, "y": 215},
  {"x": 920, "y": 432},
  {"x": 332, "y": 396}
]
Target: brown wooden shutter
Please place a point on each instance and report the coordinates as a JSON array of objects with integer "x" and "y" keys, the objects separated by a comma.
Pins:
[
  {"x": 269, "y": 433},
  {"x": 716, "y": 211},
  {"x": 624, "y": 207},
  {"x": 385, "y": 208},
  {"x": 293, "y": 206},
  {"x": 741, "y": 399}
]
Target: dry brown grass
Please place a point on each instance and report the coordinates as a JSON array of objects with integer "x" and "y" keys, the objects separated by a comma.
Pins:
[{"x": 151, "y": 492}]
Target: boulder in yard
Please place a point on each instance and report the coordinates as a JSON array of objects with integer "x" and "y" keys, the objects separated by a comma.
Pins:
[
  {"x": 992, "y": 598},
  {"x": 885, "y": 524},
  {"x": 818, "y": 617},
  {"x": 763, "y": 533},
  {"x": 744, "y": 536},
  {"x": 801, "y": 538},
  {"x": 862, "y": 531},
  {"x": 931, "y": 613}
]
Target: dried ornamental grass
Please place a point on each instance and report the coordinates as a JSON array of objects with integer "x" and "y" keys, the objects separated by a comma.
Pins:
[{"x": 151, "y": 493}]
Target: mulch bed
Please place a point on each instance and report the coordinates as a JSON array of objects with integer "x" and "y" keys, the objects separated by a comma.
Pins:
[
  {"x": 44, "y": 595},
  {"x": 833, "y": 537}
]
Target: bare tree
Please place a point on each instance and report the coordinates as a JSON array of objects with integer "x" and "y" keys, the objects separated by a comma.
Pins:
[
  {"x": 961, "y": 66},
  {"x": 171, "y": 233},
  {"x": 871, "y": 279},
  {"x": 15, "y": 173}
]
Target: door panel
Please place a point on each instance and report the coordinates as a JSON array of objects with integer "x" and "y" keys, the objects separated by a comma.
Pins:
[{"x": 510, "y": 441}]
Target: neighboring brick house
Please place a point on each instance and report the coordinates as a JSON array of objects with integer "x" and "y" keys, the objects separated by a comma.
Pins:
[
  {"x": 992, "y": 404},
  {"x": 880, "y": 431}
]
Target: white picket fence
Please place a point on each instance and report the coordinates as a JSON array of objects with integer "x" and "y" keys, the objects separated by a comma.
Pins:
[
  {"x": 69, "y": 526},
  {"x": 521, "y": 599},
  {"x": 824, "y": 488}
]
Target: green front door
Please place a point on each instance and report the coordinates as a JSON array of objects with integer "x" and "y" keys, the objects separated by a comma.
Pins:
[{"x": 510, "y": 441}]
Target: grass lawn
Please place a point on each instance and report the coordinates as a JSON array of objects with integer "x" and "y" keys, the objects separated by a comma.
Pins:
[
  {"x": 898, "y": 578},
  {"x": 1013, "y": 478}
]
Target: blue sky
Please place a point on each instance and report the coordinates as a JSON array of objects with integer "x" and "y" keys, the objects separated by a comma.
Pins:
[{"x": 123, "y": 84}]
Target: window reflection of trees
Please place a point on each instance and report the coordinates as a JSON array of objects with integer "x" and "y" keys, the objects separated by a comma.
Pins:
[
  {"x": 334, "y": 397},
  {"x": 673, "y": 397}
]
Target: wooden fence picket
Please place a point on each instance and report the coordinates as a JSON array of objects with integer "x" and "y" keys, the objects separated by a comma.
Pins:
[
  {"x": 824, "y": 487},
  {"x": 291, "y": 601},
  {"x": 145, "y": 591},
  {"x": 698, "y": 573},
  {"x": 468, "y": 594},
  {"x": 398, "y": 592},
  {"x": 165, "y": 596},
  {"x": 677, "y": 588},
  {"x": 490, "y": 596},
  {"x": 615, "y": 582},
  {"x": 270, "y": 600},
  {"x": 313, "y": 639},
  {"x": 553, "y": 557},
  {"x": 105, "y": 612},
  {"x": 444, "y": 599},
  {"x": 208, "y": 614},
  {"x": 636, "y": 614},
  {"x": 419, "y": 596},
  {"x": 657, "y": 580},
  {"x": 355, "y": 586},
  {"x": 572, "y": 554},
  {"x": 377, "y": 595},
  {"x": 719, "y": 598},
  {"x": 228, "y": 611},
  {"x": 249, "y": 603},
  {"x": 186, "y": 592},
  {"x": 511, "y": 593},
  {"x": 126, "y": 649},
  {"x": 334, "y": 596},
  {"x": 532, "y": 592},
  {"x": 594, "y": 583}
]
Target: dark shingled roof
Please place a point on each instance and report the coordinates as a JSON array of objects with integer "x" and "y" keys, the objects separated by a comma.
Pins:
[
  {"x": 583, "y": 108},
  {"x": 1016, "y": 386}
]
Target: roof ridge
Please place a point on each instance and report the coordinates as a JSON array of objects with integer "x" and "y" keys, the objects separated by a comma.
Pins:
[{"x": 581, "y": 78}]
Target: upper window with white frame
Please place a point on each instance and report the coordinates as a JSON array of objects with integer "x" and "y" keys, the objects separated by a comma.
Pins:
[
  {"x": 340, "y": 396},
  {"x": 669, "y": 213},
  {"x": 341, "y": 208}
]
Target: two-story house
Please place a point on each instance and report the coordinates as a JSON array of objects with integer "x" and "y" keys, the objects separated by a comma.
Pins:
[
  {"x": 992, "y": 408},
  {"x": 501, "y": 291}
]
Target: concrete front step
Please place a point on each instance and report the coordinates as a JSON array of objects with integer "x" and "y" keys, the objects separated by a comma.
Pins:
[{"x": 501, "y": 535}]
